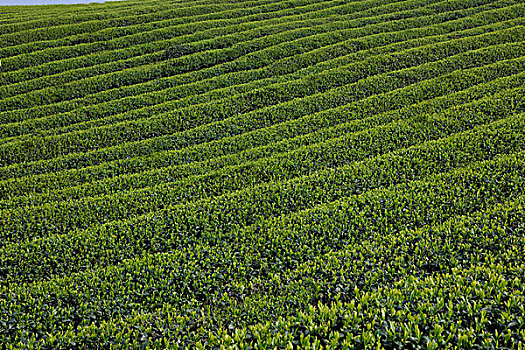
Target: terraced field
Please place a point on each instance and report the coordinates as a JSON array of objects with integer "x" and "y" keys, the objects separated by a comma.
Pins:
[{"x": 266, "y": 174}]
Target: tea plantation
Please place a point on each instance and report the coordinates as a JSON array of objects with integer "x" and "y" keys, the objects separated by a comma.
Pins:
[{"x": 236, "y": 174}]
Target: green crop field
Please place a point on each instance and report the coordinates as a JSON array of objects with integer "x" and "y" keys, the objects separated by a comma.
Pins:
[{"x": 236, "y": 174}]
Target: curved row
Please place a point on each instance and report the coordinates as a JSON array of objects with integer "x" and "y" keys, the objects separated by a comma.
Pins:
[
  {"x": 193, "y": 76},
  {"x": 134, "y": 106},
  {"x": 430, "y": 96}
]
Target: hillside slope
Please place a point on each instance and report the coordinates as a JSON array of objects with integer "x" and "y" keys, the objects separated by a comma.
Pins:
[{"x": 263, "y": 174}]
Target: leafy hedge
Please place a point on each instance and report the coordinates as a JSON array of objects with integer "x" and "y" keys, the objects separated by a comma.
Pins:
[
  {"x": 158, "y": 99},
  {"x": 220, "y": 69},
  {"x": 172, "y": 166},
  {"x": 346, "y": 29},
  {"x": 181, "y": 174}
]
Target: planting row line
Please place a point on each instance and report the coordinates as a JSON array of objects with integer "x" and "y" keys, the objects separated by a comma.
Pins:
[
  {"x": 201, "y": 60},
  {"x": 133, "y": 107},
  {"x": 171, "y": 168},
  {"x": 182, "y": 33},
  {"x": 23, "y": 21},
  {"x": 61, "y": 35},
  {"x": 241, "y": 65},
  {"x": 99, "y": 165},
  {"x": 62, "y": 217},
  {"x": 265, "y": 256},
  {"x": 445, "y": 60}
]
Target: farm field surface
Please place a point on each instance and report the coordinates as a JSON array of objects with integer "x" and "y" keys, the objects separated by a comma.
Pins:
[
  {"x": 49, "y": 2},
  {"x": 235, "y": 174}
]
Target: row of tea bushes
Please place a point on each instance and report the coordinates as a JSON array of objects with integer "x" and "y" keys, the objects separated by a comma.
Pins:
[
  {"x": 53, "y": 176},
  {"x": 286, "y": 65},
  {"x": 212, "y": 157},
  {"x": 300, "y": 40},
  {"x": 474, "y": 188},
  {"x": 91, "y": 117},
  {"x": 273, "y": 174}
]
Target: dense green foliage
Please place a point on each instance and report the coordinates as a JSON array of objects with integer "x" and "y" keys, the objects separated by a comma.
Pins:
[{"x": 269, "y": 174}]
